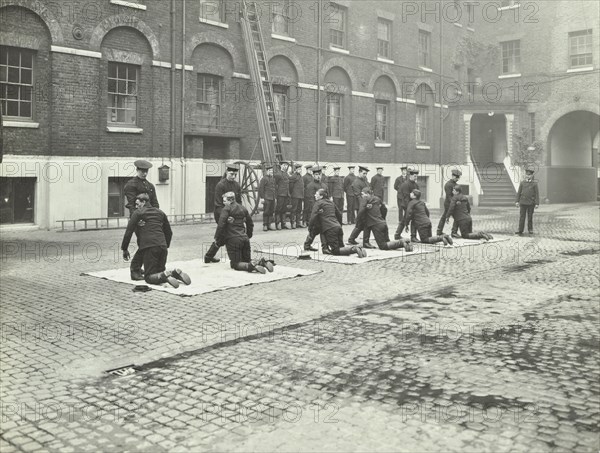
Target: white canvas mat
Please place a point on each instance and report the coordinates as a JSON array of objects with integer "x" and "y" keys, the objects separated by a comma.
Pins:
[
  {"x": 468, "y": 242},
  {"x": 292, "y": 251},
  {"x": 207, "y": 278}
]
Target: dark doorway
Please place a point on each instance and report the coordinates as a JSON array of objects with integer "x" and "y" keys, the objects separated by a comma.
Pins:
[
  {"x": 116, "y": 197},
  {"x": 211, "y": 183},
  {"x": 17, "y": 200},
  {"x": 488, "y": 138}
]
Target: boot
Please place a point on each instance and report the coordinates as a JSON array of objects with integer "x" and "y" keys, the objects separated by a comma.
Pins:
[
  {"x": 272, "y": 224},
  {"x": 210, "y": 255},
  {"x": 284, "y": 223},
  {"x": 362, "y": 253},
  {"x": 137, "y": 275},
  {"x": 408, "y": 246},
  {"x": 277, "y": 225},
  {"x": 293, "y": 223},
  {"x": 181, "y": 276},
  {"x": 267, "y": 264},
  {"x": 265, "y": 223},
  {"x": 347, "y": 251},
  {"x": 367, "y": 245},
  {"x": 444, "y": 239},
  {"x": 254, "y": 266},
  {"x": 394, "y": 245},
  {"x": 449, "y": 239}
]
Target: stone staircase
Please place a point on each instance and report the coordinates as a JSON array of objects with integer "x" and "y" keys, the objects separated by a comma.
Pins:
[{"x": 497, "y": 187}]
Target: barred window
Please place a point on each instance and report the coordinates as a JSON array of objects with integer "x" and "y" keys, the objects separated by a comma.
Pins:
[
  {"x": 511, "y": 56},
  {"x": 209, "y": 100},
  {"x": 16, "y": 82},
  {"x": 334, "y": 116},
  {"x": 424, "y": 48},
  {"x": 381, "y": 121},
  {"x": 384, "y": 33},
  {"x": 280, "y": 94},
  {"x": 337, "y": 19},
  {"x": 580, "y": 48},
  {"x": 422, "y": 125},
  {"x": 122, "y": 93}
]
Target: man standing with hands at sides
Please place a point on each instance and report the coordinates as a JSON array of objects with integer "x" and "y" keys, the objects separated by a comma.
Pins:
[
  {"x": 282, "y": 188},
  {"x": 448, "y": 187},
  {"x": 311, "y": 190},
  {"x": 358, "y": 185},
  {"x": 297, "y": 195},
  {"x": 528, "y": 199},
  {"x": 348, "y": 180},
  {"x": 397, "y": 184},
  {"x": 154, "y": 240},
  {"x": 405, "y": 189},
  {"x": 307, "y": 179},
  {"x": 324, "y": 177},
  {"x": 377, "y": 186},
  {"x": 227, "y": 184},
  {"x": 135, "y": 186},
  {"x": 266, "y": 192},
  {"x": 336, "y": 189}
]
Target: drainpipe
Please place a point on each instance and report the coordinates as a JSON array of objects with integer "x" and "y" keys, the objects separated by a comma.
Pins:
[
  {"x": 172, "y": 122},
  {"x": 441, "y": 100},
  {"x": 183, "y": 164},
  {"x": 319, "y": 43}
]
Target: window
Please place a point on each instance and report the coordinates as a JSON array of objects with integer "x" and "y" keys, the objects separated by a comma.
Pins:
[
  {"x": 334, "y": 116},
  {"x": 280, "y": 96},
  {"x": 122, "y": 93},
  {"x": 384, "y": 33},
  {"x": 470, "y": 82},
  {"x": 281, "y": 21},
  {"x": 116, "y": 196},
  {"x": 424, "y": 48},
  {"x": 381, "y": 121},
  {"x": 511, "y": 56},
  {"x": 209, "y": 100},
  {"x": 422, "y": 125},
  {"x": 17, "y": 196},
  {"x": 532, "y": 127},
  {"x": 213, "y": 10},
  {"x": 337, "y": 18},
  {"x": 580, "y": 48},
  {"x": 470, "y": 13},
  {"x": 16, "y": 82}
]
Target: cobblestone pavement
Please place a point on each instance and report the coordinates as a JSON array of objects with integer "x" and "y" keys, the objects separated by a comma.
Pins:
[{"x": 487, "y": 348}]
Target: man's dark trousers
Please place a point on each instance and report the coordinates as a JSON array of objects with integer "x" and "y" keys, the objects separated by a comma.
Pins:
[{"x": 526, "y": 210}]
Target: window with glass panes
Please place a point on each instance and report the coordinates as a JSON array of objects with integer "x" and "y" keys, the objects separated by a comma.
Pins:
[
  {"x": 280, "y": 18},
  {"x": 422, "y": 125},
  {"x": 16, "y": 82},
  {"x": 122, "y": 93},
  {"x": 424, "y": 47},
  {"x": 381, "y": 121},
  {"x": 384, "y": 33},
  {"x": 580, "y": 48},
  {"x": 280, "y": 94},
  {"x": 333, "y": 116},
  {"x": 116, "y": 196},
  {"x": 208, "y": 100},
  {"x": 511, "y": 56},
  {"x": 336, "y": 17},
  {"x": 212, "y": 10}
]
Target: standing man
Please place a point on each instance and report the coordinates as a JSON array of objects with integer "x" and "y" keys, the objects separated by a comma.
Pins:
[
  {"x": 358, "y": 185},
  {"x": 336, "y": 189},
  {"x": 282, "y": 188},
  {"x": 297, "y": 195},
  {"x": 397, "y": 184},
  {"x": 307, "y": 179},
  {"x": 266, "y": 192},
  {"x": 135, "y": 186},
  {"x": 324, "y": 177},
  {"x": 348, "y": 180},
  {"x": 311, "y": 190},
  {"x": 405, "y": 189},
  {"x": 528, "y": 199},
  {"x": 377, "y": 186},
  {"x": 460, "y": 209},
  {"x": 154, "y": 240},
  {"x": 227, "y": 184},
  {"x": 448, "y": 188}
]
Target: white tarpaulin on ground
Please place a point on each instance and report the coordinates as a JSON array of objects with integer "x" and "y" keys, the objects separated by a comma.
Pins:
[
  {"x": 468, "y": 242},
  {"x": 207, "y": 278}
]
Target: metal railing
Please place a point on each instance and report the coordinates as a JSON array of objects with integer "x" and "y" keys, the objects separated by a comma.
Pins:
[{"x": 109, "y": 223}]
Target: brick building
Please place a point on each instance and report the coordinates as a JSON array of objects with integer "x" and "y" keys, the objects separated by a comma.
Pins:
[{"x": 88, "y": 87}]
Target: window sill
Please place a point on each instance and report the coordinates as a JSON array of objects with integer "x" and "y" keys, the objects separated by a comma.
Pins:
[
  {"x": 335, "y": 142},
  {"x": 582, "y": 69},
  {"x": 456, "y": 24},
  {"x": 339, "y": 50},
  {"x": 213, "y": 22},
  {"x": 21, "y": 124},
  {"x": 471, "y": 29},
  {"x": 509, "y": 76},
  {"x": 129, "y": 4},
  {"x": 125, "y": 129},
  {"x": 283, "y": 37},
  {"x": 382, "y": 145},
  {"x": 423, "y": 147},
  {"x": 286, "y": 139},
  {"x": 426, "y": 69},
  {"x": 385, "y": 60},
  {"x": 504, "y": 8}
]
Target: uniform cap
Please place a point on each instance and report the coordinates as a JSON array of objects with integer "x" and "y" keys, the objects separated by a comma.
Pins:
[
  {"x": 379, "y": 168},
  {"x": 336, "y": 168},
  {"x": 284, "y": 162},
  {"x": 297, "y": 165},
  {"x": 456, "y": 172},
  {"x": 404, "y": 168},
  {"x": 361, "y": 168},
  {"x": 268, "y": 167},
  {"x": 413, "y": 170},
  {"x": 233, "y": 167},
  {"x": 530, "y": 170},
  {"x": 308, "y": 166},
  {"x": 351, "y": 167},
  {"x": 316, "y": 169},
  {"x": 143, "y": 164}
]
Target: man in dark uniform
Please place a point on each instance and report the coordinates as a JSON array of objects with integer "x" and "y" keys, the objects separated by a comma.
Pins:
[
  {"x": 154, "y": 239},
  {"x": 266, "y": 192},
  {"x": 370, "y": 215},
  {"x": 397, "y": 184},
  {"x": 324, "y": 177},
  {"x": 417, "y": 214},
  {"x": 405, "y": 189},
  {"x": 460, "y": 209},
  {"x": 227, "y": 184},
  {"x": 234, "y": 231},
  {"x": 358, "y": 185},
  {"x": 451, "y": 184},
  {"x": 282, "y": 189},
  {"x": 336, "y": 189},
  {"x": 348, "y": 180},
  {"x": 297, "y": 195},
  {"x": 311, "y": 190},
  {"x": 135, "y": 186},
  {"x": 528, "y": 199},
  {"x": 326, "y": 219},
  {"x": 307, "y": 179},
  {"x": 377, "y": 186}
]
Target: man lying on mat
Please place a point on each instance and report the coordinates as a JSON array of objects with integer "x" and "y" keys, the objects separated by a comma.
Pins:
[{"x": 460, "y": 209}]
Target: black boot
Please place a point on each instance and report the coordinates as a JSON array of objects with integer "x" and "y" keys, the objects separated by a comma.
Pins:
[{"x": 210, "y": 255}]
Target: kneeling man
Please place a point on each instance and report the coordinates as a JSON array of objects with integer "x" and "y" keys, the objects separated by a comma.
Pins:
[
  {"x": 417, "y": 216},
  {"x": 460, "y": 209}
]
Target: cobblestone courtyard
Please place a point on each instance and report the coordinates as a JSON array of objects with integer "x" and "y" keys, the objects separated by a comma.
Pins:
[{"x": 487, "y": 348}]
